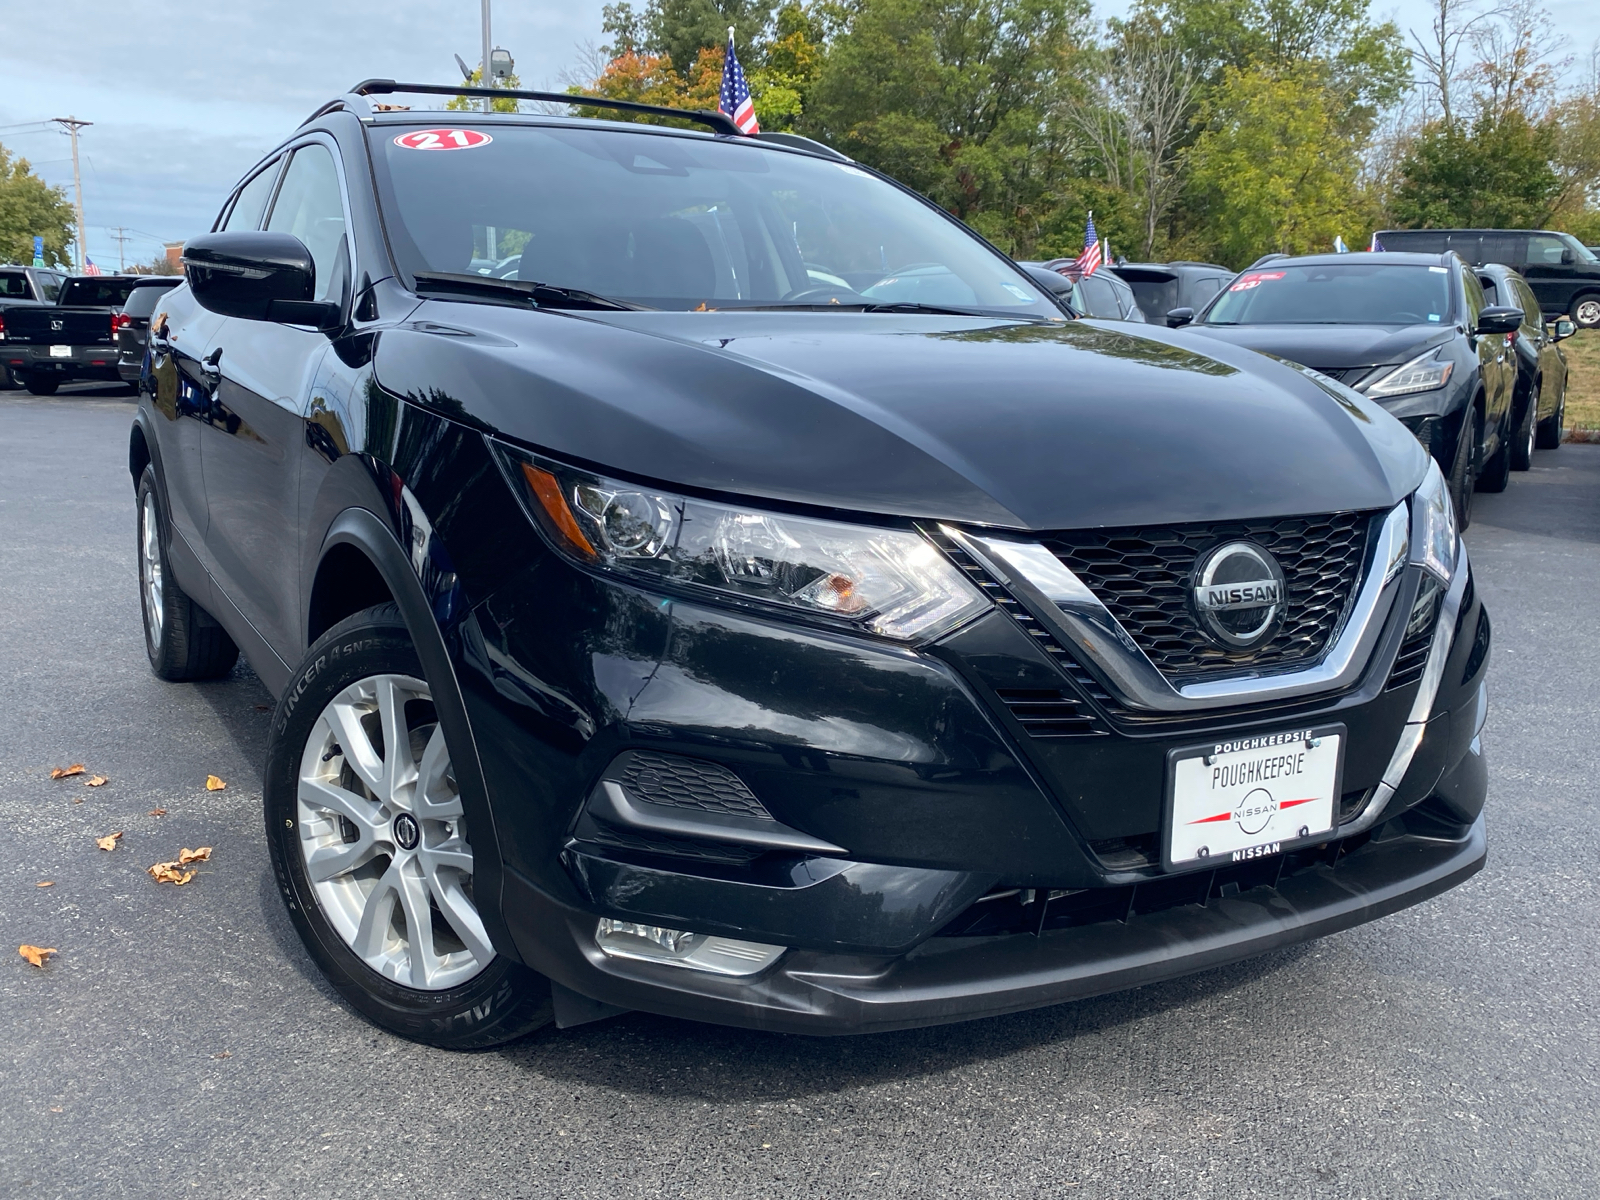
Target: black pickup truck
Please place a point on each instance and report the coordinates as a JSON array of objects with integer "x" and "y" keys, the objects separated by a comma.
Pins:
[{"x": 72, "y": 339}]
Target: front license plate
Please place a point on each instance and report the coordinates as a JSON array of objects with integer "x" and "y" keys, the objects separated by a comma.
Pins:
[
  {"x": 60, "y": 351},
  {"x": 1236, "y": 800}
]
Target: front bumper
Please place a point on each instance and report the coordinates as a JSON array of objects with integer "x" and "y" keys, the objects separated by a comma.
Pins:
[{"x": 959, "y": 978}]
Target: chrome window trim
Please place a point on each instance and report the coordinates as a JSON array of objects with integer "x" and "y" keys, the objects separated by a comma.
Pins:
[{"x": 1065, "y": 605}]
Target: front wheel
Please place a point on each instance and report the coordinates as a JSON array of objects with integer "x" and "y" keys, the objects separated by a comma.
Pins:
[
  {"x": 41, "y": 387},
  {"x": 1586, "y": 311},
  {"x": 371, "y": 846},
  {"x": 1549, "y": 429}
]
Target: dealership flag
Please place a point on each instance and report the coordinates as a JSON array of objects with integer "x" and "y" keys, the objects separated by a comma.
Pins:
[
  {"x": 1090, "y": 258},
  {"x": 735, "y": 99},
  {"x": 89, "y": 268}
]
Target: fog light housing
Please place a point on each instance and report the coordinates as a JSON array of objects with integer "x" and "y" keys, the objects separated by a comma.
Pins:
[{"x": 681, "y": 948}]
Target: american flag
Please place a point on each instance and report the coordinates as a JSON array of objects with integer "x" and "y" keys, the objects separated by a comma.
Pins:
[
  {"x": 735, "y": 99},
  {"x": 89, "y": 268},
  {"x": 1090, "y": 258}
]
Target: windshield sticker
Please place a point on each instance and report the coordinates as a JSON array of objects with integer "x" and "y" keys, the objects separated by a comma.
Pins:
[
  {"x": 1253, "y": 279},
  {"x": 1018, "y": 292},
  {"x": 443, "y": 139},
  {"x": 1433, "y": 316}
]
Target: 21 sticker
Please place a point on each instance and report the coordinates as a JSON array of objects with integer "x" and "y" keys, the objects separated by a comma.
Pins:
[{"x": 443, "y": 139}]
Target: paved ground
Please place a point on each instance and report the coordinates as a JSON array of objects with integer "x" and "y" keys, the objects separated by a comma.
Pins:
[{"x": 181, "y": 1042}]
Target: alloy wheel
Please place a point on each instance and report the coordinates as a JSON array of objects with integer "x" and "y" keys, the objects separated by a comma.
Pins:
[
  {"x": 150, "y": 575},
  {"x": 1587, "y": 312},
  {"x": 1531, "y": 423},
  {"x": 383, "y": 836}
]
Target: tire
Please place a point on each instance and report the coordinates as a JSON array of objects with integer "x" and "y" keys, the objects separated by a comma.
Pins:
[
  {"x": 1463, "y": 472},
  {"x": 1548, "y": 435},
  {"x": 8, "y": 379},
  {"x": 1586, "y": 311},
  {"x": 184, "y": 641},
  {"x": 41, "y": 387},
  {"x": 1522, "y": 438},
  {"x": 356, "y": 860}
]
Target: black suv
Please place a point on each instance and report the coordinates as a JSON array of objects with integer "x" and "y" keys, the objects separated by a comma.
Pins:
[
  {"x": 1412, "y": 331},
  {"x": 768, "y": 607},
  {"x": 1563, "y": 272},
  {"x": 1162, "y": 287},
  {"x": 1540, "y": 406}
]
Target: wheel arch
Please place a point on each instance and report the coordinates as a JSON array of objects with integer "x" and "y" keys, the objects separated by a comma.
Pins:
[
  {"x": 141, "y": 453},
  {"x": 360, "y": 554}
]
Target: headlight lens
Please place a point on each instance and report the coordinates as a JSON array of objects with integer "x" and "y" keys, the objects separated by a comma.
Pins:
[
  {"x": 1424, "y": 373},
  {"x": 891, "y": 582},
  {"x": 1433, "y": 525}
]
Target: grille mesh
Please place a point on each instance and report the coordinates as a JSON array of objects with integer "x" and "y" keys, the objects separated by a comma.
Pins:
[
  {"x": 1144, "y": 577},
  {"x": 678, "y": 782}
]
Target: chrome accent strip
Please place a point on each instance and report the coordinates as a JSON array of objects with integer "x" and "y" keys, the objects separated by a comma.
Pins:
[
  {"x": 611, "y": 803},
  {"x": 1075, "y": 615},
  {"x": 1416, "y": 725}
]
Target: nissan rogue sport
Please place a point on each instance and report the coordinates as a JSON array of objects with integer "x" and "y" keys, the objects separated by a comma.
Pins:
[{"x": 763, "y": 604}]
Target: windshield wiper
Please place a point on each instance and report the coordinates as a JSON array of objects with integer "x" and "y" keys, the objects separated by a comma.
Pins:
[
  {"x": 540, "y": 295},
  {"x": 886, "y": 306}
]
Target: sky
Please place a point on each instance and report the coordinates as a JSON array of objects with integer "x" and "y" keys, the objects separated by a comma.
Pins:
[{"x": 187, "y": 94}]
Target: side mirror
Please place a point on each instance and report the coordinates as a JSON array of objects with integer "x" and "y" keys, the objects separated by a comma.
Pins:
[
  {"x": 257, "y": 276},
  {"x": 1499, "y": 319},
  {"x": 1179, "y": 316},
  {"x": 1568, "y": 258},
  {"x": 1564, "y": 329}
]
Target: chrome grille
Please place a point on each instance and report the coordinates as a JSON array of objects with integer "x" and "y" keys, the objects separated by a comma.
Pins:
[{"x": 1144, "y": 577}]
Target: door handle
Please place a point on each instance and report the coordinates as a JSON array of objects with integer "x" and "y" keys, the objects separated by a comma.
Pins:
[{"x": 211, "y": 367}]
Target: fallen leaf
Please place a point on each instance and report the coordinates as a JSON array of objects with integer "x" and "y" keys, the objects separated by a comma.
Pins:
[
  {"x": 213, "y": 784},
  {"x": 96, "y": 781},
  {"x": 45, "y": 883},
  {"x": 36, "y": 954},
  {"x": 263, "y": 708},
  {"x": 224, "y": 1054},
  {"x": 55, "y": 1110},
  {"x": 63, "y": 772},
  {"x": 109, "y": 842},
  {"x": 158, "y": 812},
  {"x": 187, "y": 856},
  {"x": 168, "y": 872}
]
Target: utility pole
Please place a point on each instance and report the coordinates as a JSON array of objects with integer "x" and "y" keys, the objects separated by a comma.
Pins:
[
  {"x": 122, "y": 259},
  {"x": 72, "y": 125},
  {"x": 483, "y": 76}
]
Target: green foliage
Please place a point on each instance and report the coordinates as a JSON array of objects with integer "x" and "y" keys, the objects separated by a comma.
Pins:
[
  {"x": 1273, "y": 170},
  {"x": 29, "y": 209},
  {"x": 475, "y": 103},
  {"x": 1495, "y": 173}
]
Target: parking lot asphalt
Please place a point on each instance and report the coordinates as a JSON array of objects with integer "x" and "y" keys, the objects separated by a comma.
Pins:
[{"x": 182, "y": 1043}]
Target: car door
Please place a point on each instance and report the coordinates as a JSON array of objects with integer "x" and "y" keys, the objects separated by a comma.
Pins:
[
  {"x": 1495, "y": 367},
  {"x": 254, "y": 436},
  {"x": 1552, "y": 364}
]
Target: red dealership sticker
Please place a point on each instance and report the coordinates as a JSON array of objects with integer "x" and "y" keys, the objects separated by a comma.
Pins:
[
  {"x": 443, "y": 139},
  {"x": 1252, "y": 279}
]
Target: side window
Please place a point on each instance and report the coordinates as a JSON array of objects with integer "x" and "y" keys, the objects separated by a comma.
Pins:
[
  {"x": 252, "y": 200},
  {"x": 50, "y": 285},
  {"x": 1545, "y": 251},
  {"x": 309, "y": 206},
  {"x": 1204, "y": 289},
  {"x": 1475, "y": 301},
  {"x": 1504, "y": 248},
  {"x": 1529, "y": 304},
  {"x": 1490, "y": 295}
]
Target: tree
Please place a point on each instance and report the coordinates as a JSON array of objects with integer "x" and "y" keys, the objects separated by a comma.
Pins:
[
  {"x": 475, "y": 103},
  {"x": 1273, "y": 170},
  {"x": 30, "y": 208},
  {"x": 1495, "y": 173}
]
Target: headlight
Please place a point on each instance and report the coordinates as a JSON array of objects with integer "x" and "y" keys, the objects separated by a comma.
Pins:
[
  {"x": 891, "y": 582},
  {"x": 1433, "y": 525},
  {"x": 1425, "y": 373}
]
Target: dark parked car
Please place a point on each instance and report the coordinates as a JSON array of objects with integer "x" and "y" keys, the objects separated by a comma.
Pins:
[
  {"x": 1540, "y": 404},
  {"x": 70, "y": 340},
  {"x": 132, "y": 323},
  {"x": 663, "y": 629},
  {"x": 1411, "y": 331},
  {"x": 1563, "y": 272},
  {"x": 29, "y": 287},
  {"x": 1162, "y": 287},
  {"x": 1098, "y": 294}
]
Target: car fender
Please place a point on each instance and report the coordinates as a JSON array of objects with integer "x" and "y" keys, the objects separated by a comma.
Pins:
[{"x": 371, "y": 535}]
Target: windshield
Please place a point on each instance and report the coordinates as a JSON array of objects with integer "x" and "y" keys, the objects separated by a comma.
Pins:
[
  {"x": 681, "y": 223},
  {"x": 1354, "y": 294}
]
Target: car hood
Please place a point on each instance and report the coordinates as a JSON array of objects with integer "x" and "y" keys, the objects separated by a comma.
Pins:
[
  {"x": 1331, "y": 347},
  {"x": 975, "y": 420}
]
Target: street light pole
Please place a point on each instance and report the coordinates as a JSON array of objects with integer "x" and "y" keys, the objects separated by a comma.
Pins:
[
  {"x": 72, "y": 125},
  {"x": 488, "y": 104}
]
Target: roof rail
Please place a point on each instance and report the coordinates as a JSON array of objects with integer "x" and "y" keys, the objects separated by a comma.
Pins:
[{"x": 718, "y": 122}]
